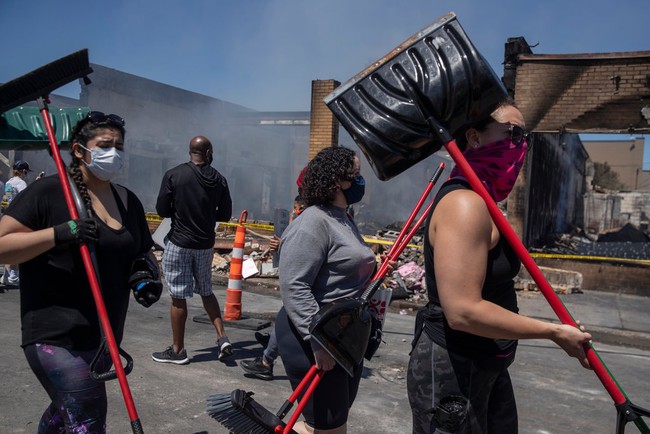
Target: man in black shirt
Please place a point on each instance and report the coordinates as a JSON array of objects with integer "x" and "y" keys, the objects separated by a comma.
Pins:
[{"x": 195, "y": 196}]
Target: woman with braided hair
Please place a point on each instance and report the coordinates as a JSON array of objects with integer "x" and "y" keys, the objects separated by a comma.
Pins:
[{"x": 60, "y": 328}]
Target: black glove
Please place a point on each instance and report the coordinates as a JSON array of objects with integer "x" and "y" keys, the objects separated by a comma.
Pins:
[
  {"x": 147, "y": 292},
  {"x": 144, "y": 281},
  {"x": 76, "y": 231}
]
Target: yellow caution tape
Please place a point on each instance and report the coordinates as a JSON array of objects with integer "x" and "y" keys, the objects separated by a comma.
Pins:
[
  {"x": 153, "y": 217},
  {"x": 156, "y": 218},
  {"x": 388, "y": 242},
  {"x": 251, "y": 225},
  {"x": 591, "y": 258}
]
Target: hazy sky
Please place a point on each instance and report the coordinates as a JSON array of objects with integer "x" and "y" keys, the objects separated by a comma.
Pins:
[{"x": 263, "y": 54}]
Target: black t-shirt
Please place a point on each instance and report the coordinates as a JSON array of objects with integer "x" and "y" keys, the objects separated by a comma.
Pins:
[
  {"x": 57, "y": 306},
  {"x": 502, "y": 266}
]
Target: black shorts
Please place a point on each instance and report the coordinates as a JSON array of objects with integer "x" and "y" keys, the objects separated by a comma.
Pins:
[{"x": 329, "y": 405}]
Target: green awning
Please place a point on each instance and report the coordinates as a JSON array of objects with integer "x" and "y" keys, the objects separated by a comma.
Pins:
[{"x": 22, "y": 128}]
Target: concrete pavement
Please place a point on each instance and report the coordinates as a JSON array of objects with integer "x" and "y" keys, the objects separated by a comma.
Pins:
[
  {"x": 172, "y": 399},
  {"x": 611, "y": 318}
]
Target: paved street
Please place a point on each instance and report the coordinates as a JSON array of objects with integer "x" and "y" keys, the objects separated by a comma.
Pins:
[{"x": 555, "y": 395}]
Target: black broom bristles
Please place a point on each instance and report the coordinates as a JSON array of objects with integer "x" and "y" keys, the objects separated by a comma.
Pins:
[
  {"x": 40, "y": 82},
  {"x": 241, "y": 414}
]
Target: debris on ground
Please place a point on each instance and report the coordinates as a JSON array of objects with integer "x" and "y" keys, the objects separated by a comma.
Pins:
[
  {"x": 626, "y": 242},
  {"x": 407, "y": 281}
]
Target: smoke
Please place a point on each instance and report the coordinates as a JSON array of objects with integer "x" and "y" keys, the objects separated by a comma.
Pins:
[
  {"x": 392, "y": 201},
  {"x": 259, "y": 153}
]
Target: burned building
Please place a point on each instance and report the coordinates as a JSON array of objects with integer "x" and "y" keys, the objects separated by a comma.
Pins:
[{"x": 561, "y": 95}]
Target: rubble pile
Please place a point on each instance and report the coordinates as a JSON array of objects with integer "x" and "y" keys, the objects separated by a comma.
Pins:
[
  {"x": 561, "y": 281},
  {"x": 407, "y": 280},
  {"x": 626, "y": 242}
]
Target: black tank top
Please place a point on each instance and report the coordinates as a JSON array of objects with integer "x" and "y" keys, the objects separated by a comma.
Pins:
[{"x": 502, "y": 266}]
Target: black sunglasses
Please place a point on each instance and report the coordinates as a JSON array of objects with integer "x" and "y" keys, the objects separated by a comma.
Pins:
[
  {"x": 517, "y": 134},
  {"x": 99, "y": 117}
]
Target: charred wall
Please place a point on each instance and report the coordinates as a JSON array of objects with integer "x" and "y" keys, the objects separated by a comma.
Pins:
[{"x": 556, "y": 172}]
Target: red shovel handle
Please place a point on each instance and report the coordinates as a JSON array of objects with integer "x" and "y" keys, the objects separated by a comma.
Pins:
[{"x": 558, "y": 307}]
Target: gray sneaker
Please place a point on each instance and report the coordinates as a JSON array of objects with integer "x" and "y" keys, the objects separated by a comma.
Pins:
[
  {"x": 225, "y": 348},
  {"x": 169, "y": 356}
]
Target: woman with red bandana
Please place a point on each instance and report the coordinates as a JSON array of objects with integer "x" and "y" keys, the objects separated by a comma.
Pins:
[{"x": 466, "y": 336}]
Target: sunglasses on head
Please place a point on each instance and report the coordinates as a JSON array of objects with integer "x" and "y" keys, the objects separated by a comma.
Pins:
[{"x": 99, "y": 117}]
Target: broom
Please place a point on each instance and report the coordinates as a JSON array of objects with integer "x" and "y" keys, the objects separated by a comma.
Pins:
[
  {"x": 37, "y": 85},
  {"x": 240, "y": 413}
]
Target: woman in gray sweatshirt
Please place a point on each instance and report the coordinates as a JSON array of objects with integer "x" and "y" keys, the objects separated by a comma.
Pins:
[{"x": 322, "y": 258}]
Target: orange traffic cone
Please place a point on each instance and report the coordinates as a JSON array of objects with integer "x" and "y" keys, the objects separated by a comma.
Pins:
[{"x": 232, "y": 311}]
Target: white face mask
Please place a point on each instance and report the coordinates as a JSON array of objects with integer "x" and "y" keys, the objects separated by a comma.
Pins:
[{"x": 105, "y": 162}]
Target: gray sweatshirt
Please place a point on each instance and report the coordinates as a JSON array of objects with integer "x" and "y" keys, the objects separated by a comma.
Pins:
[{"x": 322, "y": 258}]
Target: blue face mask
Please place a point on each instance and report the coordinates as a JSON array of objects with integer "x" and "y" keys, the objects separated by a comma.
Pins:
[{"x": 357, "y": 188}]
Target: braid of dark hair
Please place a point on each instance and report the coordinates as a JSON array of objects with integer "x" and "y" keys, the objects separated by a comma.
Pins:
[{"x": 75, "y": 174}]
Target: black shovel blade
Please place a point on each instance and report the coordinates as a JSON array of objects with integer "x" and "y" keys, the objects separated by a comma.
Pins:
[
  {"x": 343, "y": 329},
  {"x": 453, "y": 81}
]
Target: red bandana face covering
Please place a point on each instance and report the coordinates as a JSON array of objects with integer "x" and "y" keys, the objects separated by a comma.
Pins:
[{"x": 497, "y": 165}]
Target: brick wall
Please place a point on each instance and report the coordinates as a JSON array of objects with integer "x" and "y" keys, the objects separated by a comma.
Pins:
[
  {"x": 584, "y": 93},
  {"x": 324, "y": 127}
]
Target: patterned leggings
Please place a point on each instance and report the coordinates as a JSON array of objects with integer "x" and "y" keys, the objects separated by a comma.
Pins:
[{"x": 78, "y": 402}]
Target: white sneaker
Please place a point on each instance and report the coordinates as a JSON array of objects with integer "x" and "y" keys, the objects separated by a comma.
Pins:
[{"x": 225, "y": 348}]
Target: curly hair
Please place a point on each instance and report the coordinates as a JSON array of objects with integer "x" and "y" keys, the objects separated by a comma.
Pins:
[{"x": 330, "y": 166}]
